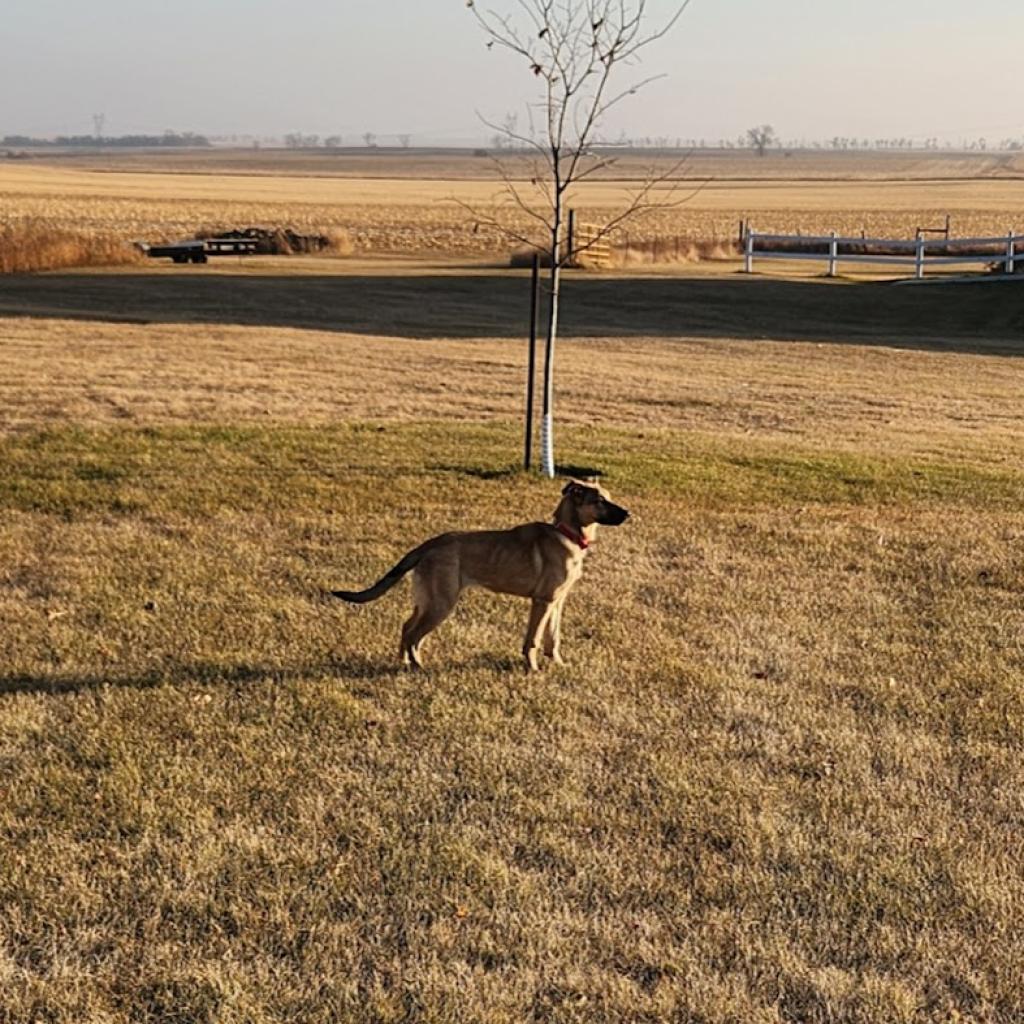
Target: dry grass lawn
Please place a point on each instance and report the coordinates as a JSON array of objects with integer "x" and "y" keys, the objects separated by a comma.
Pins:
[{"x": 780, "y": 780}]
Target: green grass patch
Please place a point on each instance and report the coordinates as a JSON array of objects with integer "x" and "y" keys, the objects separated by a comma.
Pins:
[{"x": 201, "y": 469}]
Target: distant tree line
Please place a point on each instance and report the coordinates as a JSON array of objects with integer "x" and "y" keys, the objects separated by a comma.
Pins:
[
  {"x": 92, "y": 141},
  {"x": 763, "y": 138},
  {"x": 297, "y": 140},
  {"x": 760, "y": 139}
]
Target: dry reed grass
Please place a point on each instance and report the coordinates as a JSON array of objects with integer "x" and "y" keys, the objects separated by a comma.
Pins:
[
  {"x": 660, "y": 251},
  {"x": 339, "y": 242},
  {"x": 29, "y": 245}
]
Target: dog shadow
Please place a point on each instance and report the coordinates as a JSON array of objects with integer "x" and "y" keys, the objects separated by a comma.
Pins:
[
  {"x": 492, "y": 663},
  {"x": 347, "y": 667}
]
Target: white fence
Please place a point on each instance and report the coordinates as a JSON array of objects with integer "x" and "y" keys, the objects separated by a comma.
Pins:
[{"x": 920, "y": 252}]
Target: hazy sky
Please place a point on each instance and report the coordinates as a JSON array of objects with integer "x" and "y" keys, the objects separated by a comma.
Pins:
[{"x": 813, "y": 68}]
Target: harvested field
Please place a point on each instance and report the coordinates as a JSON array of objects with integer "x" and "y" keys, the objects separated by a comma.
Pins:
[
  {"x": 463, "y": 165},
  {"x": 412, "y": 215}
]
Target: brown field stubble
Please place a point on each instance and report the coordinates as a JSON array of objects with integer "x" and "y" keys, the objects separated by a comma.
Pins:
[
  {"x": 419, "y": 215},
  {"x": 779, "y": 781}
]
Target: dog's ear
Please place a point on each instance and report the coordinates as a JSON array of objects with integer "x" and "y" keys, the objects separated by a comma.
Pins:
[{"x": 569, "y": 486}]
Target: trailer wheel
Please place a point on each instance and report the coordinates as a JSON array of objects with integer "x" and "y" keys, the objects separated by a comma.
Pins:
[
  {"x": 179, "y": 258},
  {"x": 199, "y": 257}
]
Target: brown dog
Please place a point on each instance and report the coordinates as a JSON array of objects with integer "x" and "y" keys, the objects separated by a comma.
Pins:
[{"x": 535, "y": 560}]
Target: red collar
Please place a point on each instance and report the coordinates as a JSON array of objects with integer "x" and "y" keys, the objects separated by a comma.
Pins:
[{"x": 576, "y": 538}]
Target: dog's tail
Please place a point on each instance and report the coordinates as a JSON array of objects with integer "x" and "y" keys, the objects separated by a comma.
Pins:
[{"x": 386, "y": 582}]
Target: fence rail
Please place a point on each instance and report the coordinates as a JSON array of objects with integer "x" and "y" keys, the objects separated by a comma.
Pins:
[
  {"x": 920, "y": 252},
  {"x": 592, "y": 247}
]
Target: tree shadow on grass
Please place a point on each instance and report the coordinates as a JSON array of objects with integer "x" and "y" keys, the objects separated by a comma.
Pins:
[
  {"x": 476, "y": 304},
  {"x": 579, "y": 472},
  {"x": 512, "y": 472},
  {"x": 478, "y": 472}
]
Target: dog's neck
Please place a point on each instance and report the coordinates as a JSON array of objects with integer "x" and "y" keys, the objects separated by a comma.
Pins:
[{"x": 567, "y": 519}]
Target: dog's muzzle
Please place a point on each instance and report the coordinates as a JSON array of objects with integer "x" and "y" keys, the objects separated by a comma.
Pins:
[{"x": 615, "y": 516}]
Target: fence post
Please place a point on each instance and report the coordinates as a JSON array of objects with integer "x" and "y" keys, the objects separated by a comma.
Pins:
[
  {"x": 833, "y": 253},
  {"x": 1011, "y": 261},
  {"x": 919, "y": 258},
  {"x": 748, "y": 258}
]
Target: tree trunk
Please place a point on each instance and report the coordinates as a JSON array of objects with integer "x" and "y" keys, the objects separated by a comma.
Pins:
[
  {"x": 547, "y": 436},
  {"x": 547, "y": 426}
]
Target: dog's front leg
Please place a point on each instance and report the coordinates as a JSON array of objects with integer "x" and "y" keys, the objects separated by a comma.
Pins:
[
  {"x": 553, "y": 634},
  {"x": 540, "y": 612}
]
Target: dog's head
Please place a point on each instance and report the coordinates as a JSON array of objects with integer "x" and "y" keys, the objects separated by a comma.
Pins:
[{"x": 593, "y": 504}]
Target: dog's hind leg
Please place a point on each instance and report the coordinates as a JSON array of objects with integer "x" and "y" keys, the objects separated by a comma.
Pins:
[
  {"x": 405, "y": 651},
  {"x": 420, "y": 599},
  {"x": 434, "y": 601}
]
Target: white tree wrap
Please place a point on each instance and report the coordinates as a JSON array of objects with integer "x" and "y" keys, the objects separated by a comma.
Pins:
[{"x": 547, "y": 446}]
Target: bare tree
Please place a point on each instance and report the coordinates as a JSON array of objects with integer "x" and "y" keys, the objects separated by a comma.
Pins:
[
  {"x": 98, "y": 121},
  {"x": 504, "y": 137},
  {"x": 370, "y": 139},
  {"x": 296, "y": 140},
  {"x": 573, "y": 51},
  {"x": 761, "y": 137},
  {"x": 405, "y": 140}
]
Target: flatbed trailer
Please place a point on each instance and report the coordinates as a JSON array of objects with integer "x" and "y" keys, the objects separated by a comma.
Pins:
[{"x": 199, "y": 250}]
